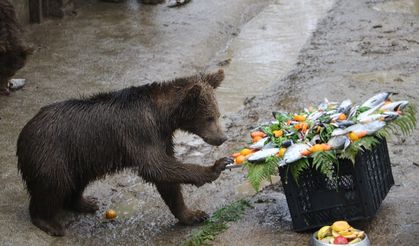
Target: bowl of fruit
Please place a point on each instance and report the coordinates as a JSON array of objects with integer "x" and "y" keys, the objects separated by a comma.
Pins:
[{"x": 339, "y": 233}]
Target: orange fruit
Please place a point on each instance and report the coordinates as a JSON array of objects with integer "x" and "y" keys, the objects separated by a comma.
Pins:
[
  {"x": 318, "y": 147},
  {"x": 245, "y": 152},
  {"x": 257, "y": 134},
  {"x": 361, "y": 134},
  {"x": 278, "y": 133},
  {"x": 326, "y": 147},
  {"x": 299, "y": 117},
  {"x": 342, "y": 117},
  {"x": 110, "y": 214},
  {"x": 305, "y": 152},
  {"x": 257, "y": 138},
  {"x": 239, "y": 159},
  {"x": 281, "y": 152},
  {"x": 353, "y": 136},
  {"x": 234, "y": 155},
  {"x": 304, "y": 127}
]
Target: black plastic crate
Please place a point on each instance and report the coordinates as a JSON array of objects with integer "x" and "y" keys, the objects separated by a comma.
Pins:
[{"x": 357, "y": 194}]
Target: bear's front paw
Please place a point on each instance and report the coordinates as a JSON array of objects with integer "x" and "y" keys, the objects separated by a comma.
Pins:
[
  {"x": 220, "y": 165},
  {"x": 189, "y": 217}
]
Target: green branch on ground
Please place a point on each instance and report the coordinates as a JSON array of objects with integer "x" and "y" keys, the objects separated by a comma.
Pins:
[{"x": 217, "y": 223}]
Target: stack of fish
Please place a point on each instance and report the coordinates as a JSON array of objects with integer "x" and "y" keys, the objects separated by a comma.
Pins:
[{"x": 330, "y": 126}]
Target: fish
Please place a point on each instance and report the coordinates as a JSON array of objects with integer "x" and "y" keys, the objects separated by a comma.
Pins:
[
  {"x": 377, "y": 99},
  {"x": 370, "y": 128},
  {"x": 339, "y": 142},
  {"x": 315, "y": 115},
  {"x": 369, "y": 111},
  {"x": 259, "y": 144},
  {"x": 343, "y": 123},
  {"x": 345, "y": 106},
  {"x": 372, "y": 117},
  {"x": 338, "y": 132},
  {"x": 286, "y": 143},
  {"x": 353, "y": 111},
  {"x": 394, "y": 106},
  {"x": 262, "y": 154},
  {"x": 293, "y": 153},
  {"x": 316, "y": 139}
]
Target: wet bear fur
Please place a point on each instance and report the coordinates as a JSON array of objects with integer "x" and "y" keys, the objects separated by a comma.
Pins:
[{"x": 69, "y": 144}]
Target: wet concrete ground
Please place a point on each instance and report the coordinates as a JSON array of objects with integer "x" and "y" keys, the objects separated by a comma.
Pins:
[{"x": 357, "y": 49}]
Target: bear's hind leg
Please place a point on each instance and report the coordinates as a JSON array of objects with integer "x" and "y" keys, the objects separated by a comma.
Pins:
[
  {"x": 172, "y": 196},
  {"x": 43, "y": 211}
]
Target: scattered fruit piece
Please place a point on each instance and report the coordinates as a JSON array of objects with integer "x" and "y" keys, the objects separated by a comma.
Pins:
[
  {"x": 356, "y": 240},
  {"x": 324, "y": 232},
  {"x": 353, "y": 136},
  {"x": 257, "y": 138},
  {"x": 245, "y": 151},
  {"x": 341, "y": 225},
  {"x": 110, "y": 214},
  {"x": 342, "y": 117},
  {"x": 278, "y": 133},
  {"x": 234, "y": 155},
  {"x": 282, "y": 152},
  {"x": 239, "y": 159},
  {"x": 257, "y": 134},
  {"x": 299, "y": 117},
  {"x": 305, "y": 152},
  {"x": 340, "y": 240}
]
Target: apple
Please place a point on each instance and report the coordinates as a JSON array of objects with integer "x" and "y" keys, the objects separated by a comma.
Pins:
[{"x": 340, "y": 240}]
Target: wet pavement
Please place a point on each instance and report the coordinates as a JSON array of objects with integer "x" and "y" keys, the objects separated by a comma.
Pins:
[{"x": 272, "y": 61}]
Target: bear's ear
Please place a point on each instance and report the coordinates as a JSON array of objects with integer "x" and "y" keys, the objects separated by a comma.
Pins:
[
  {"x": 214, "y": 79},
  {"x": 192, "y": 94}
]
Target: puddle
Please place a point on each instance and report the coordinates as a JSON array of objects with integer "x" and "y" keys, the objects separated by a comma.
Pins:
[
  {"x": 266, "y": 48},
  {"x": 399, "y": 6}
]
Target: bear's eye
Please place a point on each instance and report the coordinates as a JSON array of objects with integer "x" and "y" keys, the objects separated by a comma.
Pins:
[{"x": 210, "y": 119}]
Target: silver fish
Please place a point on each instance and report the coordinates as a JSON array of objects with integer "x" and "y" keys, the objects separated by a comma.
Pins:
[
  {"x": 339, "y": 142},
  {"x": 338, "y": 132},
  {"x": 262, "y": 154},
  {"x": 316, "y": 139},
  {"x": 293, "y": 153},
  {"x": 390, "y": 115},
  {"x": 286, "y": 143},
  {"x": 345, "y": 106},
  {"x": 376, "y": 99},
  {"x": 259, "y": 144},
  {"x": 315, "y": 115},
  {"x": 353, "y": 111},
  {"x": 369, "y": 111},
  {"x": 395, "y": 106},
  {"x": 343, "y": 123},
  {"x": 370, "y": 128},
  {"x": 371, "y": 117}
]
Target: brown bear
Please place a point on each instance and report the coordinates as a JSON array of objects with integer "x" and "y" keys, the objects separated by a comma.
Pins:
[
  {"x": 69, "y": 144},
  {"x": 13, "y": 52}
]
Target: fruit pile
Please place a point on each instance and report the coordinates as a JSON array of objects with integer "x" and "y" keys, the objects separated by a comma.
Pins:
[{"x": 340, "y": 232}]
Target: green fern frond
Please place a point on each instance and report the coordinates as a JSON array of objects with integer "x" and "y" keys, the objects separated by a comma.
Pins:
[
  {"x": 260, "y": 172},
  {"x": 298, "y": 167},
  {"x": 324, "y": 162},
  {"x": 405, "y": 124}
]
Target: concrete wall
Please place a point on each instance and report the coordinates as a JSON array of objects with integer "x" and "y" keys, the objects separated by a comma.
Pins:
[{"x": 22, "y": 10}]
